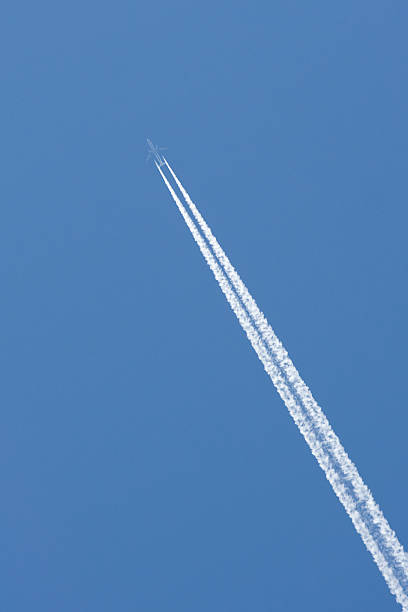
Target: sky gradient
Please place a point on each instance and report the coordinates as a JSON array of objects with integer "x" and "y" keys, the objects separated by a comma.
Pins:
[{"x": 148, "y": 463}]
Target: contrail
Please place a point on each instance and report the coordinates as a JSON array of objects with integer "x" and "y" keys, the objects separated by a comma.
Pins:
[
  {"x": 339, "y": 477},
  {"x": 369, "y": 509}
]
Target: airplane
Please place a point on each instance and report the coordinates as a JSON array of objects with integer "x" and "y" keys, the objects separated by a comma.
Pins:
[{"x": 154, "y": 151}]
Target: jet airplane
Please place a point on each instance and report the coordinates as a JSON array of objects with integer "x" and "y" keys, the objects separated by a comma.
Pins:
[{"x": 153, "y": 151}]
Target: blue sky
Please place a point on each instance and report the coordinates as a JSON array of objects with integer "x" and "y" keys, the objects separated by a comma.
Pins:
[{"x": 148, "y": 463}]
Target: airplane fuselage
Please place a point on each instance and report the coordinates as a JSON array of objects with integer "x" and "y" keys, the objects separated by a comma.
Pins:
[{"x": 154, "y": 151}]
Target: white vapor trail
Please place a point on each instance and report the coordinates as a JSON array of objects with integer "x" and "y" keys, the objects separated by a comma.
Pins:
[
  {"x": 369, "y": 509},
  {"x": 347, "y": 484}
]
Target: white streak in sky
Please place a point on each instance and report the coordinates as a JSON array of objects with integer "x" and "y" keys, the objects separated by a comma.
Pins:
[
  {"x": 367, "y": 518},
  {"x": 370, "y": 509}
]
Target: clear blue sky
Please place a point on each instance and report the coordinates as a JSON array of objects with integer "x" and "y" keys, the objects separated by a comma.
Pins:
[{"x": 147, "y": 462}]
